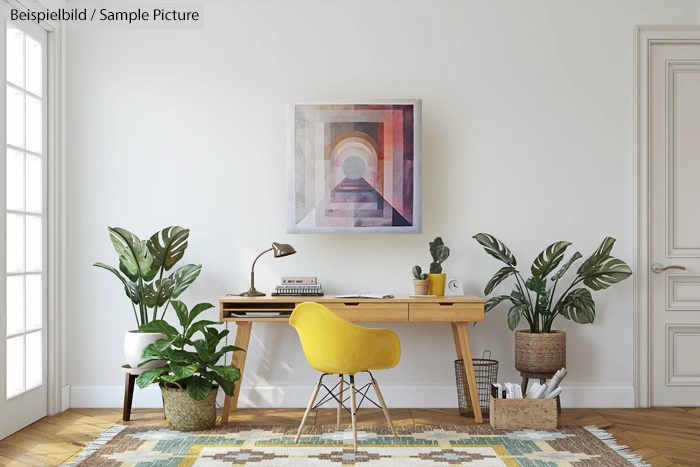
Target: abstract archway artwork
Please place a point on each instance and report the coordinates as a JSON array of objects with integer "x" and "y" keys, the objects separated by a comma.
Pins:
[{"x": 354, "y": 167}]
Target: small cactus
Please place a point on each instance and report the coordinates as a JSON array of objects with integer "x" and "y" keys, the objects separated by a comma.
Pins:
[
  {"x": 440, "y": 253},
  {"x": 418, "y": 273}
]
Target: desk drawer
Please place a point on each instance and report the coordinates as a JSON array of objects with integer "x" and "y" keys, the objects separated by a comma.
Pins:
[
  {"x": 369, "y": 311},
  {"x": 446, "y": 311}
]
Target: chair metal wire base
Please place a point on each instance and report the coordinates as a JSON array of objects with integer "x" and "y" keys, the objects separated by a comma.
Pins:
[{"x": 338, "y": 397}]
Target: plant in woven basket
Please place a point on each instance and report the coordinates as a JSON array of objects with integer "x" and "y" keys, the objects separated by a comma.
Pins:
[
  {"x": 536, "y": 299},
  {"x": 192, "y": 362}
]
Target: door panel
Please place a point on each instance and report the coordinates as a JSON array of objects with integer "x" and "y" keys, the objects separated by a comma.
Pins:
[
  {"x": 674, "y": 142},
  {"x": 23, "y": 161}
]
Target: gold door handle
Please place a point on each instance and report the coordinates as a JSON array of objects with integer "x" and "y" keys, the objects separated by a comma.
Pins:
[{"x": 657, "y": 268}]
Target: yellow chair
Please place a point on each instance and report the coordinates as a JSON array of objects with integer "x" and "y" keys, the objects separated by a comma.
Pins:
[{"x": 335, "y": 346}]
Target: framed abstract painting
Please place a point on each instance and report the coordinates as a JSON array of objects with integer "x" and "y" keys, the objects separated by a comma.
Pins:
[{"x": 354, "y": 167}]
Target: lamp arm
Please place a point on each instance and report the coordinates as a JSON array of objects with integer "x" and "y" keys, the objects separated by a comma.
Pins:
[{"x": 252, "y": 268}]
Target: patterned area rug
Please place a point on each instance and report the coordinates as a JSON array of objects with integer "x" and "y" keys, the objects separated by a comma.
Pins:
[{"x": 151, "y": 446}]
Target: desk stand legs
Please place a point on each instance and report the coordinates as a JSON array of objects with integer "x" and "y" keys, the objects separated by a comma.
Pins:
[
  {"x": 238, "y": 359},
  {"x": 459, "y": 331}
]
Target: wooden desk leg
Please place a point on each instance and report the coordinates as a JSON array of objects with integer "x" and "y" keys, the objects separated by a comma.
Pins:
[
  {"x": 238, "y": 359},
  {"x": 458, "y": 346},
  {"x": 469, "y": 369}
]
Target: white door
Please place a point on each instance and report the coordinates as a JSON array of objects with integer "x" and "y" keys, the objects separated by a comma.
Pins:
[
  {"x": 23, "y": 393},
  {"x": 674, "y": 153}
]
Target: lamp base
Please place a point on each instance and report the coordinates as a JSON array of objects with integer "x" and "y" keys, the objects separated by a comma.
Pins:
[{"x": 252, "y": 293}]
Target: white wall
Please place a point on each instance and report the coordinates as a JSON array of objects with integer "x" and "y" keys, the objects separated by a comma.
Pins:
[{"x": 527, "y": 134}]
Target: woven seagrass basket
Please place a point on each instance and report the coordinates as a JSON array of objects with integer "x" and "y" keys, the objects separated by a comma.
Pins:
[
  {"x": 540, "y": 352},
  {"x": 186, "y": 414}
]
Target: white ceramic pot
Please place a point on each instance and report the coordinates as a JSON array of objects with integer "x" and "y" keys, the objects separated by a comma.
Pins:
[{"x": 134, "y": 343}]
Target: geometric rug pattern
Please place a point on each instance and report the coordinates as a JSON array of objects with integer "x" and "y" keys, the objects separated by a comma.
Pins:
[{"x": 265, "y": 446}]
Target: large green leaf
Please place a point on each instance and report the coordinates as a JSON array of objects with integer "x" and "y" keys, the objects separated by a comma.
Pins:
[
  {"x": 549, "y": 259},
  {"x": 610, "y": 272},
  {"x": 496, "y": 248},
  {"x": 598, "y": 256},
  {"x": 182, "y": 356},
  {"x": 168, "y": 247},
  {"x": 158, "y": 292},
  {"x": 197, "y": 310},
  {"x": 228, "y": 386},
  {"x": 184, "y": 277},
  {"x": 562, "y": 270},
  {"x": 151, "y": 351},
  {"x": 205, "y": 354},
  {"x": 225, "y": 349},
  {"x": 183, "y": 371},
  {"x": 542, "y": 305},
  {"x": 181, "y": 311},
  {"x": 501, "y": 275},
  {"x": 517, "y": 298},
  {"x": 199, "y": 326},
  {"x": 493, "y": 301},
  {"x": 213, "y": 337},
  {"x": 129, "y": 287},
  {"x": 133, "y": 253},
  {"x": 537, "y": 285},
  {"x": 229, "y": 373},
  {"x": 198, "y": 388},
  {"x": 160, "y": 326},
  {"x": 149, "y": 376},
  {"x": 578, "y": 306},
  {"x": 514, "y": 316}
]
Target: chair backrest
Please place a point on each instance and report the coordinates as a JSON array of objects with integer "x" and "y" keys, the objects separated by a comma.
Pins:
[{"x": 334, "y": 345}]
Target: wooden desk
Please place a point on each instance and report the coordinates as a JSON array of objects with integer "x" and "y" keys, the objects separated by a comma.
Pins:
[{"x": 459, "y": 311}]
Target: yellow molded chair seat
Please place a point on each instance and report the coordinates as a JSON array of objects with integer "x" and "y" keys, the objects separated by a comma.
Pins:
[
  {"x": 333, "y": 345},
  {"x": 336, "y": 346}
]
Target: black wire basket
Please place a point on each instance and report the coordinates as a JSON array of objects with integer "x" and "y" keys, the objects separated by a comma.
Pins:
[{"x": 486, "y": 372}]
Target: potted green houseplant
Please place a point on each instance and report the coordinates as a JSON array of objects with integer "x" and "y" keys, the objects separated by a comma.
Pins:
[
  {"x": 190, "y": 379},
  {"x": 540, "y": 349},
  {"x": 143, "y": 264},
  {"x": 420, "y": 281},
  {"x": 440, "y": 253}
]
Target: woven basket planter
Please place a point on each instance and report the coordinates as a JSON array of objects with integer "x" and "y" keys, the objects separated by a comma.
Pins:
[
  {"x": 186, "y": 414},
  {"x": 540, "y": 352}
]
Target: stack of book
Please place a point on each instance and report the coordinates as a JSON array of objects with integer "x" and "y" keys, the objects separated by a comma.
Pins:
[
  {"x": 299, "y": 287},
  {"x": 545, "y": 391}
]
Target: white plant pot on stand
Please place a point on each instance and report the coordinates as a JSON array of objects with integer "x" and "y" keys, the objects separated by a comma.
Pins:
[{"x": 135, "y": 342}]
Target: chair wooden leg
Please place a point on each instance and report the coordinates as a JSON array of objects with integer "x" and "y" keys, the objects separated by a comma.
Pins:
[
  {"x": 384, "y": 408},
  {"x": 308, "y": 409},
  {"x": 353, "y": 411},
  {"x": 340, "y": 401}
]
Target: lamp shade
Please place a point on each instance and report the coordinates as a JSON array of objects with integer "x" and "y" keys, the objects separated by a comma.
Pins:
[{"x": 282, "y": 249}]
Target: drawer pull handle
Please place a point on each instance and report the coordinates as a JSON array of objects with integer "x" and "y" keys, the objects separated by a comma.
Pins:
[
  {"x": 446, "y": 304},
  {"x": 352, "y": 303}
]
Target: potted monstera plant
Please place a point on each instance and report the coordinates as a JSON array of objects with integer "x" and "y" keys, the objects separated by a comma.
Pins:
[
  {"x": 142, "y": 271},
  {"x": 190, "y": 379},
  {"x": 540, "y": 349}
]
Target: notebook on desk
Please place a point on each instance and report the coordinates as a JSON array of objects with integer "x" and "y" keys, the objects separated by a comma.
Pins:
[{"x": 365, "y": 295}]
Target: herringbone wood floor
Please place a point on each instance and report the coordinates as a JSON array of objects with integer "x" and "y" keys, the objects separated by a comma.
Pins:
[{"x": 663, "y": 436}]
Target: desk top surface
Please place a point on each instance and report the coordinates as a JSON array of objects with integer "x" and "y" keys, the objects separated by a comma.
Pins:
[{"x": 333, "y": 298}]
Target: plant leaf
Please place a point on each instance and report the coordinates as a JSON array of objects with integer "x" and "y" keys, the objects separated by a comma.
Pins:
[
  {"x": 514, "y": 316},
  {"x": 228, "y": 386},
  {"x": 492, "y": 302},
  {"x": 181, "y": 311},
  {"x": 610, "y": 272},
  {"x": 197, "y": 310},
  {"x": 168, "y": 247},
  {"x": 229, "y": 373},
  {"x": 549, "y": 259},
  {"x": 226, "y": 349},
  {"x": 158, "y": 292},
  {"x": 496, "y": 248},
  {"x": 183, "y": 371},
  {"x": 501, "y": 275},
  {"x": 198, "y": 388},
  {"x": 203, "y": 351},
  {"x": 199, "y": 326},
  {"x": 160, "y": 326},
  {"x": 598, "y": 256},
  {"x": 578, "y": 306},
  {"x": 517, "y": 298},
  {"x": 537, "y": 285},
  {"x": 560, "y": 273},
  {"x": 184, "y": 277},
  {"x": 129, "y": 287},
  {"x": 149, "y": 376},
  {"x": 151, "y": 352},
  {"x": 133, "y": 253}
]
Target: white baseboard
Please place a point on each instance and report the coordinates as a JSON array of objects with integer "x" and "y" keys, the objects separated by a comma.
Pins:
[
  {"x": 65, "y": 398},
  {"x": 396, "y": 395}
]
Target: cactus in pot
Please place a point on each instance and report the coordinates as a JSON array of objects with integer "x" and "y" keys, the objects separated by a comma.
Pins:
[
  {"x": 420, "y": 281},
  {"x": 440, "y": 252}
]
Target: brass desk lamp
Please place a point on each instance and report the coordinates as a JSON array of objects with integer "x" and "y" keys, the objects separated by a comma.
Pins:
[{"x": 280, "y": 249}]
